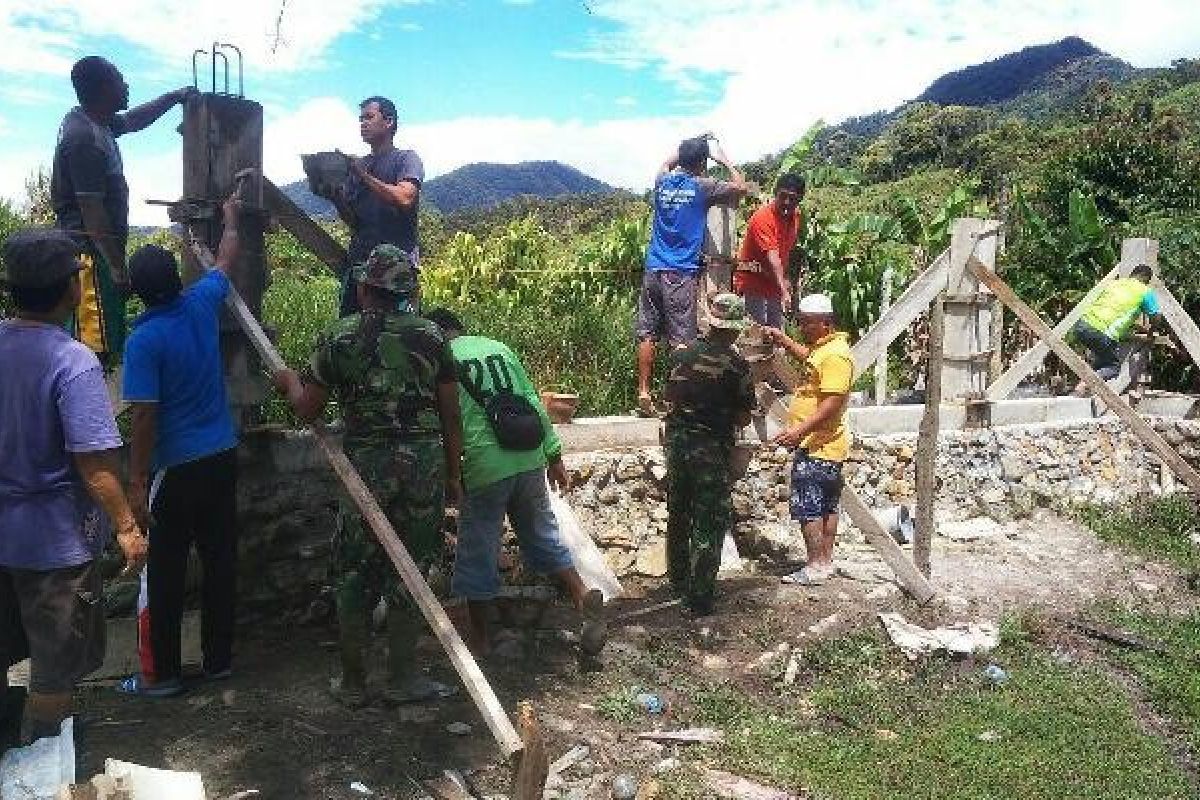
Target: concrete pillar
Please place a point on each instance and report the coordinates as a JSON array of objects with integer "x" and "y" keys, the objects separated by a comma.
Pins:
[
  {"x": 720, "y": 249},
  {"x": 969, "y": 311},
  {"x": 223, "y": 135}
]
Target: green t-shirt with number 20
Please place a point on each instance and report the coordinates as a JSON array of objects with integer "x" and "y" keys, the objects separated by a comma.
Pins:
[{"x": 489, "y": 365}]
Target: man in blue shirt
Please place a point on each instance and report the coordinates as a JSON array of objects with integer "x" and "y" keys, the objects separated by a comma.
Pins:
[
  {"x": 667, "y": 303},
  {"x": 183, "y": 459}
]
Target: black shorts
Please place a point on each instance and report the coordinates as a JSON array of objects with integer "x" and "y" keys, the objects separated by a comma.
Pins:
[
  {"x": 667, "y": 306},
  {"x": 1103, "y": 352},
  {"x": 55, "y": 618}
]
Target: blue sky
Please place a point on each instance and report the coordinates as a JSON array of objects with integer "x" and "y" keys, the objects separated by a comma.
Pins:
[{"x": 606, "y": 85}]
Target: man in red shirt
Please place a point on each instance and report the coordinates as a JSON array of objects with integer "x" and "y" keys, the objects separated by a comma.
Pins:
[{"x": 761, "y": 276}]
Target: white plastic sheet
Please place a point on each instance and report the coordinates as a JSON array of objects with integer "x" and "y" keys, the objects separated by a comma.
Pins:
[
  {"x": 593, "y": 569},
  {"x": 38, "y": 771},
  {"x": 959, "y": 640}
]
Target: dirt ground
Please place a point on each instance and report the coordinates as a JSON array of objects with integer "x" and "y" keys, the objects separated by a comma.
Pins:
[{"x": 274, "y": 728}]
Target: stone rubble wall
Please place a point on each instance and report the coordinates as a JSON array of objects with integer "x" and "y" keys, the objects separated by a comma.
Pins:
[{"x": 287, "y": 493}]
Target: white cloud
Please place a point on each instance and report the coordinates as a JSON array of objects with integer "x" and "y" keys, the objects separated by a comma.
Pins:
[
  {"x": 46, "y": 37},
  {"x": 626, "y": 101},
  {"x": 781, "y": 64}
]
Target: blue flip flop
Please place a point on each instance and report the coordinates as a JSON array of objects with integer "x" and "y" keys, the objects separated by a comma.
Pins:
[{"x": 136, "y": 685}]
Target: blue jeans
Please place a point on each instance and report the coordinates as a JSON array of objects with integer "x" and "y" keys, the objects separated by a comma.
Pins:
[
  {"x": 765, "y": 310},
  {"x": 525, "y": 499}
]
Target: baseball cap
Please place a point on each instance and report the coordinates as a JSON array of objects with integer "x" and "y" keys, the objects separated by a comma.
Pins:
[
  {"x": 388, "y": 268},
  {"x": 728, "y": 311},
  {"x": 38, "y": 258},
  {"x": 816, "y": 304}
]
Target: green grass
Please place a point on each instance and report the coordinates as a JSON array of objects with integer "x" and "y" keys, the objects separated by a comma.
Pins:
[
  {"x": 1157, "y": 527},
  {"x": 1171, "y": 680},
  {"x": 864, "y": 723}
]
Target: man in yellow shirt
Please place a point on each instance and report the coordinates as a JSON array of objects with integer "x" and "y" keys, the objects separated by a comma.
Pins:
[{"x": 817, "y": 429}]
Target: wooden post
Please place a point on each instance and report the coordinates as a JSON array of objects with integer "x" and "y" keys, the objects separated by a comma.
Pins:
[
  {"x": 1180, "y": 321},
  {"x": 967, "y": 318},
  {"x": 1133, "y": 252},
  {"x": 881, "y": 363},
  {"x": 925, "y": 463},
  {"x": 477, "y": 685},
  {"x": 1069, "y": 357}
]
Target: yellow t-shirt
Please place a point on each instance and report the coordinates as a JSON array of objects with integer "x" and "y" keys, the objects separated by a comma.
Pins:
[{"x": 829, "y": 369}]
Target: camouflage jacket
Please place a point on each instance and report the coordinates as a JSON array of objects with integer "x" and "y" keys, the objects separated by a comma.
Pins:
[
  {"x": 708, "y": 387},
  {"x": 383, "y": 368}
]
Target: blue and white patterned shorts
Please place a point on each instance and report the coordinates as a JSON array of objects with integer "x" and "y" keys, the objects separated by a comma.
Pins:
[{"x": 816, "y": 487}]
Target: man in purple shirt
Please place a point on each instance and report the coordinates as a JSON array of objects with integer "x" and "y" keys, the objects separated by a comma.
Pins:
[{"x": 59, "y": 489}]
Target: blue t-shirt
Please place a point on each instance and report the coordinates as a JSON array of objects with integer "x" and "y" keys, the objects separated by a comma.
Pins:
[
  {"x": 681, "y": 202},
  {"x": 53, "y": 404},
  {"x": 173, "y": 358}
]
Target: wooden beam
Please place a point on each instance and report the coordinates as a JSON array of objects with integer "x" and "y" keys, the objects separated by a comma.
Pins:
[
  {"x": 911, "y": 304},
  {"x": 477, "y": 685},
  {"x": 304, "y": 228},
  {"x": 1133, "y": 252},
  {"x": 909, "y": 577},
  {"x": 1180, "y": 321},
  {"x": 1140, "y": 427},
  {"x": 881, "y": 363},
  {"x": 925, "y": 462}
]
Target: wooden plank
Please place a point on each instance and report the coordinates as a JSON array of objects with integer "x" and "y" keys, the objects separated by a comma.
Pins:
[
  {"x": 1140, "y": 427},
  {"x": 909, "y": 577},
  {"x": 911, "y": 304},
  {"x": 1133, "y": 252},
  {"x": 1180, "y": 321},
  {"x": 925, "y": 462},
  {"x": 304, "y": 228},
  {"x": 477, "y": 685}
]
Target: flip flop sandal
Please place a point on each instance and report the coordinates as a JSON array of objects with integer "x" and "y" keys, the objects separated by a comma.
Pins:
[
  {"x": 136, "y": 685},
  {"x": 645, "y": 406}
]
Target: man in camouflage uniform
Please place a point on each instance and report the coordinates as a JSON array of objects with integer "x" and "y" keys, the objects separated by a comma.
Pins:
[
  {"x": 710, "y": 394},
  {"x": 393, "y": 376}
]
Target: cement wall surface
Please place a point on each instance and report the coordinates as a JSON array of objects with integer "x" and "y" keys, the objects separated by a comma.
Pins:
[{"x": 287, "y": 493}]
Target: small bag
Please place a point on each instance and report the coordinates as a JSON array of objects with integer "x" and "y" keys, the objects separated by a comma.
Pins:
[{"x": 514, "y": 420}]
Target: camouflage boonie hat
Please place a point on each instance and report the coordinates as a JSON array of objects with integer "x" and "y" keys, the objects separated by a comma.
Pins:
[
  {"x": 728, "y": 311},
  {"x": 389, "y": 268}
]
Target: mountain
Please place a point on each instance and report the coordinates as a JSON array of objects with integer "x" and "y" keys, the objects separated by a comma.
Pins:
[
  {"x": 485, "y": 185},
  {"x": 1007, "y": 76},
  {"x": 477, "y": 186}
]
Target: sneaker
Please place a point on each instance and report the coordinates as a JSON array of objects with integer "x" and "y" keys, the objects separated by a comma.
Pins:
[{"x": 809, "y": 576}]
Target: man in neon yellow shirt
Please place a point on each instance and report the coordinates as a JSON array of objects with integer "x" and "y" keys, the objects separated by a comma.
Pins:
[
  {"x": 817, "y": 429},
  {"x": 1110, "y": 318},
  {"x": 501, "y": 482}
]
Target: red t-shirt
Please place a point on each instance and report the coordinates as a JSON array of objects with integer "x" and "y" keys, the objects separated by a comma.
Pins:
[{"x": 766, "y": 231}]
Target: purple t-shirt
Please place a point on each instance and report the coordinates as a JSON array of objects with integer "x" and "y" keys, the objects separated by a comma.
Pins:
[{"x": 53, "y": 403}]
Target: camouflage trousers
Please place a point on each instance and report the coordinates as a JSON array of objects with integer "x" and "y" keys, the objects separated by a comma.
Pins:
[
  {"x": 700, "y": 511},
  {"x": 408, "y": 480}
]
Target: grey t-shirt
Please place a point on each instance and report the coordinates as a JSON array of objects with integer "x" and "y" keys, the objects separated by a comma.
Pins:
[
  {"x": 53, "y": 403},
  {"x": 378, "y": 222},
  {"x": 87, "y": 160}
]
